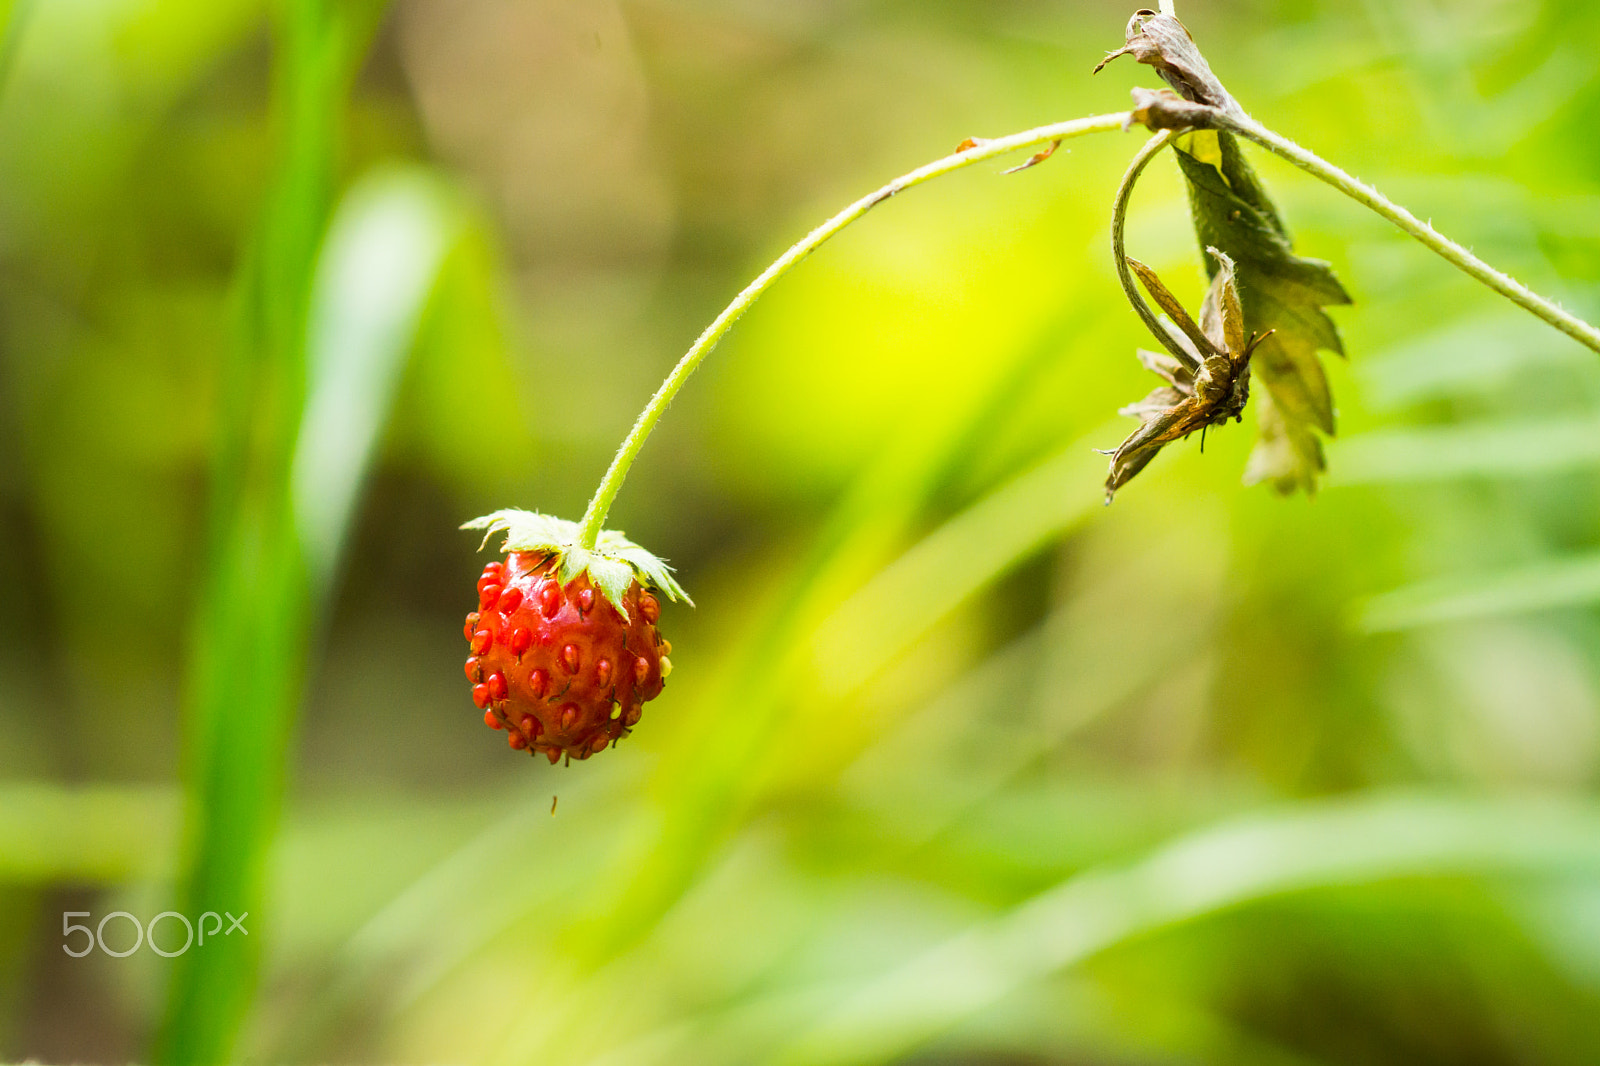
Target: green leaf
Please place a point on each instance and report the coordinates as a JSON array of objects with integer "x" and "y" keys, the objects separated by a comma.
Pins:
[
  {"x": 87, "y": 834},
  {"x": 952, "y": 564},
  {"x": 380, "y": 260},
  {"x": 1281, "y": 292},
  {"x": 1288, "y": 452},
  {"x": 614, "y": 563},
  {"x": 274, "y": 533},
  {"x": 1243, "y": 861},
  {"x": 1513, "y": 451},
  {"x": 1545, "y": 585}
]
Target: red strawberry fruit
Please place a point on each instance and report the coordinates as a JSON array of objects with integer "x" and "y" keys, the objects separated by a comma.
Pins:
[{"x": 564, "y": 646}]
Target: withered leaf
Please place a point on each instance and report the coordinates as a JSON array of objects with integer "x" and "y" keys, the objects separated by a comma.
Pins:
[
  {"x": 1281, "y": 292},
  {"x": 1288, "y": 454},
  {"x": 1161, "y": 41},
  {"x": 1163, "y": 109}
]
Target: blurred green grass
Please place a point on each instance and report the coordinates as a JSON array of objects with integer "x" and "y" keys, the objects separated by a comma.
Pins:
[{"x": 957, "y": 766}]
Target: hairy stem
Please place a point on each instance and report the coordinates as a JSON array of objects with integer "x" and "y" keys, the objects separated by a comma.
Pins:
[
  {"x": 1368, "y": 197},
  {"x": 595, "y": 516},
  {"x": 1119, "y": 254}
]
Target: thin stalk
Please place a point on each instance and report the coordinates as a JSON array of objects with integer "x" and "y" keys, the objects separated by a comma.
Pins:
[
  {"x": 595, "y": 516},
  {"x": 1368, "y": 197},
  {"x": 1119, "y": 253}
]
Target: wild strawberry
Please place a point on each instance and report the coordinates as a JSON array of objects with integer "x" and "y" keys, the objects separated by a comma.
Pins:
[{"x": 564, "y": 646}]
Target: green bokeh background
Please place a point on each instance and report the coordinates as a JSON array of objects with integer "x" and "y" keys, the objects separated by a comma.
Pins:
[{"x": 956, "y": 766}]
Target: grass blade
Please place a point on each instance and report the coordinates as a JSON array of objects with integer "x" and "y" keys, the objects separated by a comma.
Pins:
[
  {"x": 1573, "y": 582},
  {"x": 1340, "y": 843},
  {"x": 384, "y": 251},
  {"x": 1512, "y": 452},
  {"x": 263, "y": 584},
  {"x": 963, "y": 556},
  {"x": 95, "y": 834}
]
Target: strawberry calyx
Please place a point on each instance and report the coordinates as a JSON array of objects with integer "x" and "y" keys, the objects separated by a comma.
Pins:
[{"x": 612, "y": 564}]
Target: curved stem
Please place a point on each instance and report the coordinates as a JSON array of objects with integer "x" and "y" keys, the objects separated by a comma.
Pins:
[
  {"x": 1119, "y": 254},
  {"x": 1368, "y": 197},
  {"x": 595, "y": 516}
]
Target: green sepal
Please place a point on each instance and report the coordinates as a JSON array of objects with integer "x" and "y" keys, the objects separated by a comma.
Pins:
[{"x": 614, "y": 563}]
